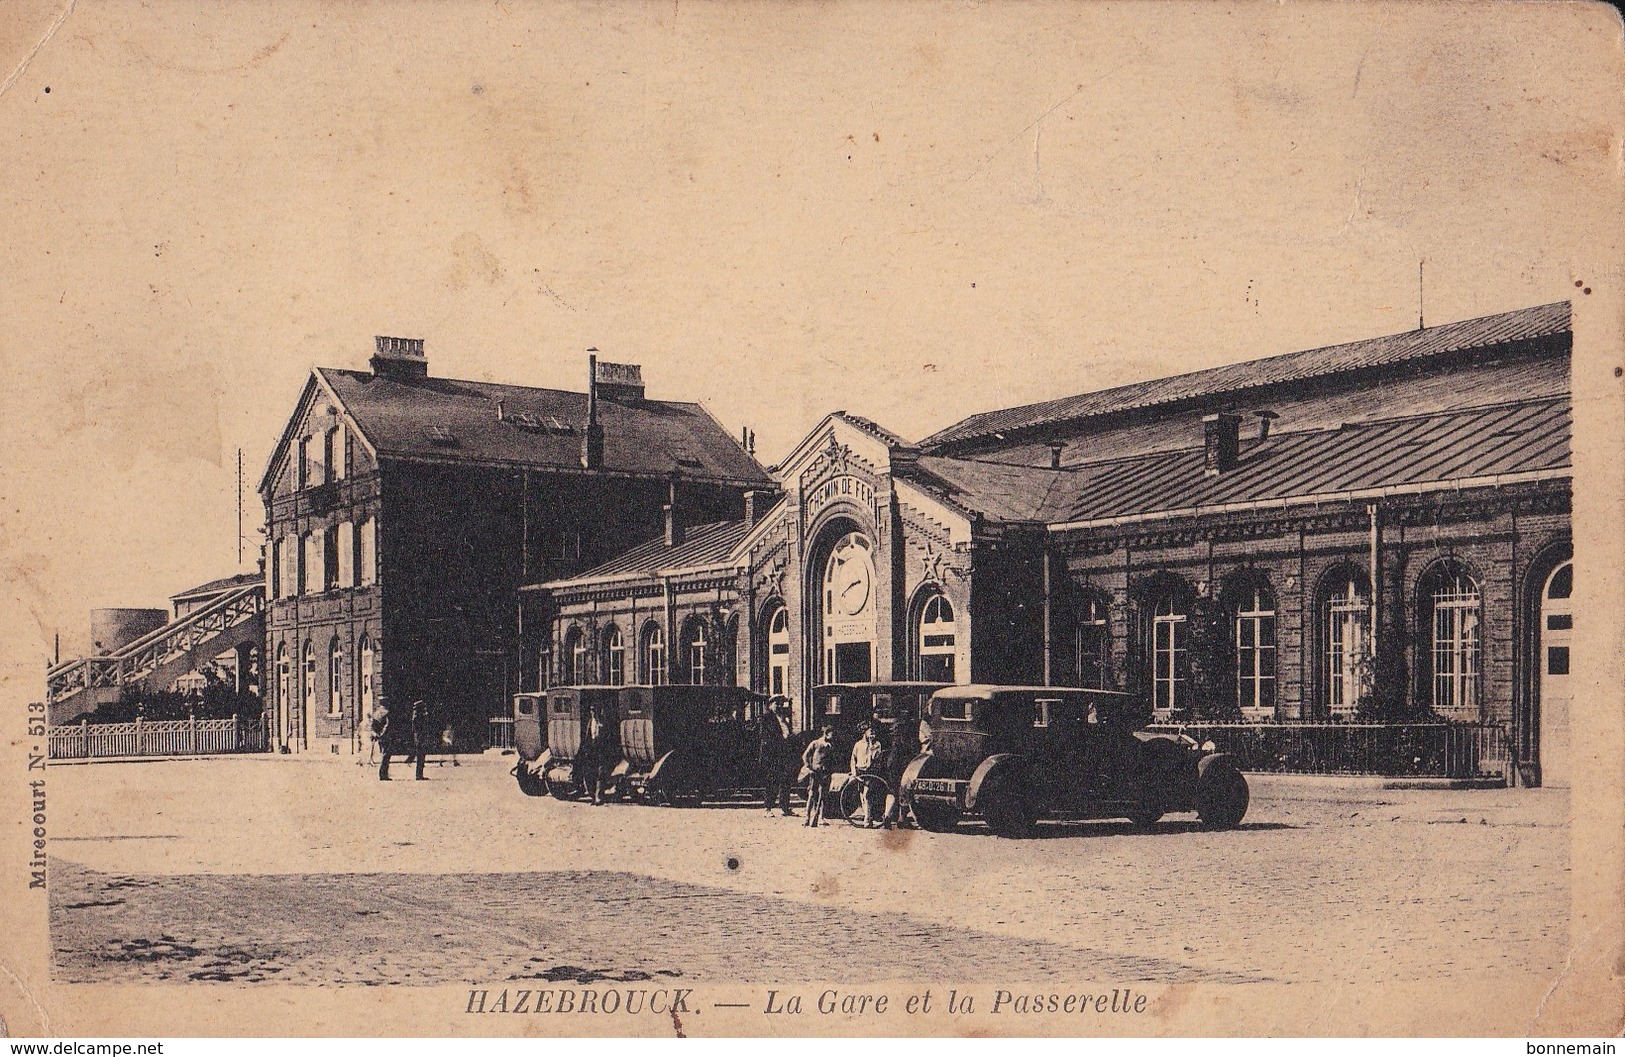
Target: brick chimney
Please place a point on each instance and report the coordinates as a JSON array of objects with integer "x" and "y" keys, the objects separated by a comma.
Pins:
[
  {"x": 592, "y": 441},
  {"x": 399, "y": 359},
  {"x": 1221, "y": 442},
  {"x": 754, "y": 501},
  {"x": 1055, "y": 449}
]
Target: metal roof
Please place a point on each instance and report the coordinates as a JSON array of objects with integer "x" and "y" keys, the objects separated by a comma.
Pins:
[
  {"x": 702, "y": 546},
  {"x": 443, "y": 419},
  {"x": 1411, "y": 347},
  {"x": 1521, "y": 437}
]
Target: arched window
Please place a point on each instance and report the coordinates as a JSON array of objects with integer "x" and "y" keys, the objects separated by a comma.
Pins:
[
  {"x": 614, "y": 662},
  {"x": 284, "y": 678},
  {"x": 1091, "y": 644},
  {"x": 335, "y": 678},
  {"x": 848, "y": 610},
  {"x": 654, "y": 655},
  {"x": 1255, "y": 651},
  {"x": 694, "y": 651},
  {"x": 575, "y": 657},
  {"x": 1346, "y": 611},
  {"x": 1170, "y": 681},
  {"x": 778, "y": 651},
  {"x": 1453, "y": 617},
  {"x": 936, "y": 638},
  {"x": 310, "y": 678},
  {"x": 363, "y": 681}
]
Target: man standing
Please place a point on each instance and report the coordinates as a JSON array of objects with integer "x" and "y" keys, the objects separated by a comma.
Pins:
[
  {"x": 403, "y": 739},
  {"x": 774, "y": 755},
  {"x": 817, "y": 762}
]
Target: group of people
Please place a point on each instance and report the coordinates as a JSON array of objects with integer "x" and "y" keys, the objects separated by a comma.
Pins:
[
  {"x": 411, "y": 739},
  {"x": 813, "y": 767}
]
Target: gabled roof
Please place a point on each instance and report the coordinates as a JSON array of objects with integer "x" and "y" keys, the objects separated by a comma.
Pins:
[
  {"x": 1411, "y": 347},
  {"x": 703, "y": 546},
  {"x": 220, "y": 586},
  {"x": 443, "y": 419}
]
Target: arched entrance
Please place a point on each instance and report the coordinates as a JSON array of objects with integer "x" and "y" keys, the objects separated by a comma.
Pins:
[
  {"x": 1555, "y": 686},
  {"x": 845, "y": 605}
]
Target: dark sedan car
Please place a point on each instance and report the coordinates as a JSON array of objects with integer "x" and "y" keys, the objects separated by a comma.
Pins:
[{"x": 1015, "y": 754}]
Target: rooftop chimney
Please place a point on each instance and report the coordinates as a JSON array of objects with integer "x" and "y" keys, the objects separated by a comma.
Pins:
[
  {"x": 1221, "y": 441},
  {"x": 1264, "y": 420},
  {"x": 620, "y": 382},
  {"x": 753, "y": 499},
  {"x": 1055, "y": 449},
  {"x": 399, "y": 359},
  {"x": 592, "y": 442}
]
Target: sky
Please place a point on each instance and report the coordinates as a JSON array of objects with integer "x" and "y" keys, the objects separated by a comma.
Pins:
[{"x": 912, "y": 213}]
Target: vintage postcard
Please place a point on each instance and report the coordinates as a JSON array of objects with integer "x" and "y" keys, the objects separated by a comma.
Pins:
[{"x": 697, "y": 519}]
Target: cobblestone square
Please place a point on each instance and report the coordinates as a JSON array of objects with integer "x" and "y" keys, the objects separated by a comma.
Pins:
[{"x": 261, "y": 870}]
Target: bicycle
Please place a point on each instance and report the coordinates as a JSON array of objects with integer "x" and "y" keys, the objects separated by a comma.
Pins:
[{"x": 863, "y": 800}]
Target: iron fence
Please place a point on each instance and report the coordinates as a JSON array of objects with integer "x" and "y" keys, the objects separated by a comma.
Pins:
[
  {"x": 500, "y": 732},
  {"x": 179, "y": 737},
  {"x": 1399, "y": 750}
]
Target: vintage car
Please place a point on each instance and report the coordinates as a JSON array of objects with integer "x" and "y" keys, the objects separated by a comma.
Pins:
[
  {"x": 583, "y": 739},
  {"x": 684, "y": 744},
  {"x": 1018, "y": 754},
  {"x": 530, "y": 742}
]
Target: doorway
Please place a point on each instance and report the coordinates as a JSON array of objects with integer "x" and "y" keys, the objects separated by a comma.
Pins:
[{"x": 1556, "y": 686}]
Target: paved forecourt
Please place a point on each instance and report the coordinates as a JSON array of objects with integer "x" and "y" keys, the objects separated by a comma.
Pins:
[{"x": 302, "y": 871}]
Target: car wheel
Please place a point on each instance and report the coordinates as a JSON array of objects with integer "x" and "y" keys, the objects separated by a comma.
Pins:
[
  {"x": 1007, "y": 813},
  {"x": 530, "y": 783},
  {"x": 1222, "y": 798},
  {"x": 934, "y": 816},
  {"x": 1145, "y": 819}
]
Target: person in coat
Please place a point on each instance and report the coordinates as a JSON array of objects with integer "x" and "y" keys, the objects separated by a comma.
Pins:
[{"x": 775, "y": 755}]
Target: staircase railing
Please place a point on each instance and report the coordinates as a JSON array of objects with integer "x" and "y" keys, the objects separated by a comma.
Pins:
[{"x": 156, "y": 648}]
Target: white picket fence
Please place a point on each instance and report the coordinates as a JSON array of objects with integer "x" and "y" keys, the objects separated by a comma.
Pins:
[{"x": 177, "y": 737}]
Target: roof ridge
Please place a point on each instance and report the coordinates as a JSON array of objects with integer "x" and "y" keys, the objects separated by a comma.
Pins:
[
  {"x": 367, "y": 375},
  {"x": 1033, "y": 415}
]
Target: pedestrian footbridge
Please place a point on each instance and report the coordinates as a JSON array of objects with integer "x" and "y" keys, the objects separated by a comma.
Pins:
[{"x": 233, "y": 620}]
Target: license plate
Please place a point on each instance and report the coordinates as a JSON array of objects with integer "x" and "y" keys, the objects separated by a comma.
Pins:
[{"x": 938, "y": 786}]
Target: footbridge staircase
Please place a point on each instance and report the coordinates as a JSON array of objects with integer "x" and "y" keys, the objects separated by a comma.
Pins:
[{"x": 233, "y": 621}]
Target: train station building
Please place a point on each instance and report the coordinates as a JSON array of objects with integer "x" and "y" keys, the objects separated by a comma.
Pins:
[
  {"x": 404, "y": 511},
  {"x": 1370, "y": 533}
]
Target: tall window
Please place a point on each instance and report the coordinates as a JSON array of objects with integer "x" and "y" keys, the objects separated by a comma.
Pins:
[
  {"x": 310, "y": 678},
  {"x": 1455, "y": 621},
  {"x": 284, "y": 677},
  {"x": 1168, "y": 663},
  {"x": 1091, "y": 645},
  {"x": 575, "y": 657},
  {"x": 333, "y": 454},
  {"x": 363, "y": 681},
  {"x": 367, "y": 553},
  {"x": 335, "y": 678},
  {"x": 1348, "y": 644},
  {"x": 306, "y": 468},
  {"x": 778, "y": 651},
  {"x": 936, "y": 641},
  {"x": 311, "y": 563},
  {"x": 694, "y": 651},
  {"x": 614, "y": 656},
  {"x": 330, "y": 558},
  {"x": 1255, "y": 651},
  {"x": 346, "y": 554},
  {"x": 654, "y": 655}
]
